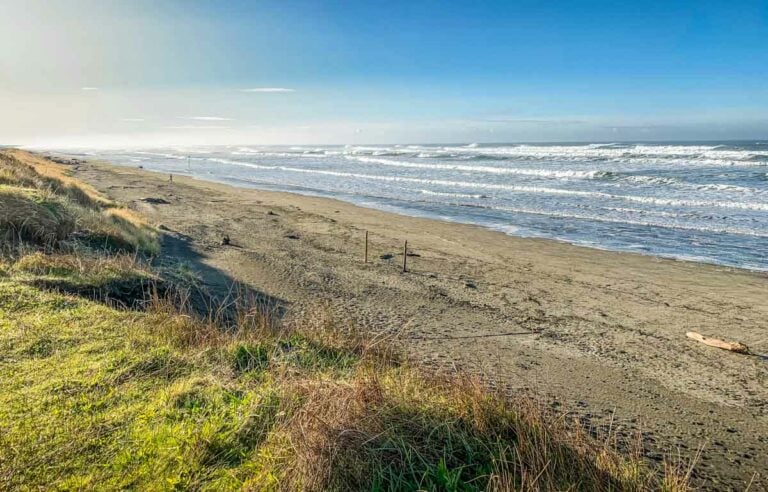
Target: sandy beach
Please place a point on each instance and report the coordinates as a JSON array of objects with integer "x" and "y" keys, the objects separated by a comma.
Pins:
[{"x": 596, "y": 333}]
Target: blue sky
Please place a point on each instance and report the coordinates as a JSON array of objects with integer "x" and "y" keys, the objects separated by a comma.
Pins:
[{"x": 74, "y": 71}]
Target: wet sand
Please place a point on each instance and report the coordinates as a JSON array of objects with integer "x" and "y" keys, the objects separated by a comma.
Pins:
[{"x": 598, "y": 333}]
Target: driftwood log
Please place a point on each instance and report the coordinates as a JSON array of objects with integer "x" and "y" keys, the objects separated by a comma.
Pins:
[{"x": 714, "y": 342}]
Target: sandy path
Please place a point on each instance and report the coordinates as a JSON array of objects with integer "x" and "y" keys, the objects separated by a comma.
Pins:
[{"x": 599, "y": 333}]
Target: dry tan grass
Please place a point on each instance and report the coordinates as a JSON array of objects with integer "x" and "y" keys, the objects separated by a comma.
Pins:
[
  {"x": 127, "y": 215},
  {"x": 57, "y": 264},
  {"x": 57, "y": 176},
  {"x": 29, "y": 215},
  {"x": 44, "y": 204}
]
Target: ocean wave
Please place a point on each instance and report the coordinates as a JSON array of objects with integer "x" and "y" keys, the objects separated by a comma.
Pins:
[
  {"x": 706, "y": 154},
  {"x": 548, "y": 173},
  {"x": 675, "y": 202},
  {"x": 674, "y": 182},
  {"x": 632, "y": 154},
  {"x": 645, "y": 211},
  {"x": 658, "y": 155},
  {"x": 162, "y": 154},
  {"x": 648, "y": 180},
  {"x": 564, "y": 174},
  {"x": 646, "y": 223},
  {"x": 452, "y": 195}
]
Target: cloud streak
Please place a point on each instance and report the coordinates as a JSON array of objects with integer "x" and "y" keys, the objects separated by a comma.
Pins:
[
  {"x": 544, "y": 122},
  {"x": 89, "y": 88},
  {"x": 268, "y": 89},
  {"x": 197, "y": 127},
  {"x": 205, "y": 118}
]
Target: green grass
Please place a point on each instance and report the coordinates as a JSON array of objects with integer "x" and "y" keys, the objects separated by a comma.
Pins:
[{"x": 94, "y": 397}]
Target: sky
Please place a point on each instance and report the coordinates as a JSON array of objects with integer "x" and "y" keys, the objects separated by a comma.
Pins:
[{"x": 140, "y": 73}]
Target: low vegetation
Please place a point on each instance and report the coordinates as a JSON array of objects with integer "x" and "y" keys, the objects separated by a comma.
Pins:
[
  {"x": 94, "y": 395},
  {"x": 42, "y": 206}
]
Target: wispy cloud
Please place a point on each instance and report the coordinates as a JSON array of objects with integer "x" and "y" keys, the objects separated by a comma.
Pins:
[
  {"x": 197, "y": 127},
  {"x": 133, "y": 119},
  {"x": 89, "y": 88},
  {"x": 205, "y": 118},
  {"x": 268, "y": 89},
  {"x": 637, "y": 127},
  {"x": 544, "y": 122}
]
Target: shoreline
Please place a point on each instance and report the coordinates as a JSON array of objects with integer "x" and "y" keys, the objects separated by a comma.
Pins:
[
  {"x": 404, "y": 212},
  {"x": 599, "y": 333}
]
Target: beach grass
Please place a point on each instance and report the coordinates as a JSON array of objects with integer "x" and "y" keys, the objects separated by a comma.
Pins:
[
  {"x": 42, "y": 205},
  {"x": 155, "y": 395}
]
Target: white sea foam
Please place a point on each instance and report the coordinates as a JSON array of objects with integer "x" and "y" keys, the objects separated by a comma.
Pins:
[
  {"x": 645, "y": 223},
  {"x": 480, "y": 169},
  {"x": 656, "y": 155},
  {"x": 452, "y": 195},
  {"x": 665, "y": 181},
  {"x": 698, "y": 155},
  {"x": 162, "y": 154},
  {"x": 517, "y": 188}
]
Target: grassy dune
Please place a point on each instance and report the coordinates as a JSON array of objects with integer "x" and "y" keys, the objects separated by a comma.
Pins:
[
  {"x": 42, "y": 205},
  {"x": 94, "y": 396}
]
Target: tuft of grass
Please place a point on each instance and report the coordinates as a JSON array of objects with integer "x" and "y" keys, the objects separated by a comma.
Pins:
[
  {"x": 90, "y": 270},
  {"x": 248, "y": 357},
  {"x": 121, "y": 280},
  {"x": 30, "y": 215},
  {"x": 110, "y": 230}
]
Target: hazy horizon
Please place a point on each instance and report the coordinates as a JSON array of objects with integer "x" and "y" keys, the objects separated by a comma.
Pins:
[
  {"x": 139, "y": 144},
  {"x": 84, "y": 73}
]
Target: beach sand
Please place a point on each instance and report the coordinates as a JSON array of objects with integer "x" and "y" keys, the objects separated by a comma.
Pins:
[{"x": 600, "y": 334}]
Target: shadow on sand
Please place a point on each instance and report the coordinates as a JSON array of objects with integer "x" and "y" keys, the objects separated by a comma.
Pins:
[
  {"x": 213, "y": 289},
  {"x": 207, "y": 291}
]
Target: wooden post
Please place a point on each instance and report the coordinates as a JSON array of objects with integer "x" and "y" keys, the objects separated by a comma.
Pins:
[
  {"x": 405, "y": 257},
  {"x": 366, "y": 246}
]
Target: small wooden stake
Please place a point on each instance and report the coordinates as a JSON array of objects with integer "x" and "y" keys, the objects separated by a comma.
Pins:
[
  {"x": 405, "y": 257},
  {"x": 366, "y": 246}
]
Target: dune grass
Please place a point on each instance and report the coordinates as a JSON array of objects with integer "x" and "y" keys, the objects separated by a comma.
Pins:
[
  {"x": 41, "y": 204},
  {"x": 160, "y": 397},
  {"x": 27, "y": 214},
  {"x": 28, "y": 170}
]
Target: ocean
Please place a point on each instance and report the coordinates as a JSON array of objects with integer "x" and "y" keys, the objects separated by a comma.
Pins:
[{"x": 704, "y": 202}]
